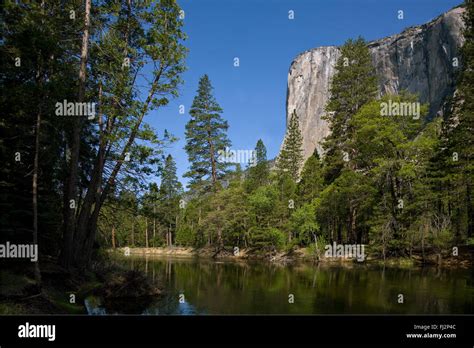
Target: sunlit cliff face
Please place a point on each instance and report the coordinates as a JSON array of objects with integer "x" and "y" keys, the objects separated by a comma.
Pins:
[{"x": 421, "y": 59}]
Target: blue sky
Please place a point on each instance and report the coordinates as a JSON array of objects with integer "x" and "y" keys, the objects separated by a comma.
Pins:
[{"x": 260, "y": 34}]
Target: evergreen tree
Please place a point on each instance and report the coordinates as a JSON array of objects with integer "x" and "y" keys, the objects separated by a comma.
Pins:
[
  {"x": 291, "y": 154},
  {"x": 353, "y": 85},
  {"x": 135, "y": 37},
  {"x": 303, "y": 223},
  {"x": 258, "y": 173},
  {"x": 392, "y": 152},
  {"x": 311, "y": 183},
  {"x": 38, "y": 67},
  {"x": 451, "y": 168},
  {"x": 458, "y": 140},
  {"x": 205, "y": 137},
  {"x": 170, "y": 187},
  {"x": 169, "y": 195}
]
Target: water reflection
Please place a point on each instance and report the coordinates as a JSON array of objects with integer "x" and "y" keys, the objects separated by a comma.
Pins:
[{"x": 254, "y": 288}]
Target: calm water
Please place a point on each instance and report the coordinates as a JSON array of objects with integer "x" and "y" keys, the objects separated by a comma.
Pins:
[{"x": 215, "y": 287}]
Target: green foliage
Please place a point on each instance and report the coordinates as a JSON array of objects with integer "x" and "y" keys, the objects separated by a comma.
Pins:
[
  {"x": 259, "y": 172},
  {"x": 353, "y": 85},
  {"x": 316, "y": 248},
  {"x": 335, "y": 207},
  {"x": 303, "y": 224},
  {"x": 311, "y": 183},
  {"x": 388, "y": 181},
  {"x": 452, "y": 168},
  {"x": 263, "y": 204},
  {"x": 169, "y": 197},
  {"x": 291, "y": 154},
  {"x": 30, "y": 38},
  {"x": 268, "y": 238},
  {"x": 205, "y": 138},
  {"x": 393, "y": 152},
  {"x": 185, "y": 236}
]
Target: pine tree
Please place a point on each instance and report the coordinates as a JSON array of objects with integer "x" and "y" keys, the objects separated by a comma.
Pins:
[
  {"x": 353, "y": 85},
  {"x": 205, "y": 137},
  {"x": 170, "y": 193},
  {"x": 156, "y": 39},
  {"x": 38, "y": 66},
  {"x": 258, "y": 174},
  {"x": 462, "y": 136},
  {"x": 456, "y": 152},
  {"x": 311, "y": 183},
  {"x": 170, "y": 186},
  {"x": 260, "y": 153},
  {"x": 391, "y": 154},
  {"x": 291, "y": 154}
]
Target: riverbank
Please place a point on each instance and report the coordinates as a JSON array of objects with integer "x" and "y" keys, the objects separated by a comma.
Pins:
[
  {"x": 464, "y": 259},
  {"x": 62, "y": 292},
  {"x": 19, "y": 294}
]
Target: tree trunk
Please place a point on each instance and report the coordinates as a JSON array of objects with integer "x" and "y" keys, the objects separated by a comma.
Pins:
[
  {"x": 113, "y": 237},
  {"x": 94, "y": 188},
  {"x": 69, "y": 213},
  {"x": 423, "y": 244},
  {"x": 353, "y": 212},
  {"x": 470, "y": 209},
  {"x": 87, "y": 229},
  {"x": 339, "y": 233},
  {"x": 170, "y": 240},
  {"x": 154, "y": 224},
  {"x": 213, "y": 163},
  {"x": 39, "y": 81},
  {"x": 146, "y": 232},
  {"x": 35, "y": 194},
  {"x": 220, "y": 241},
  {"x": 84, "y": 235}
]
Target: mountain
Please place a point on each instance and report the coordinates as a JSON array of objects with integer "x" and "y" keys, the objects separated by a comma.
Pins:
[{"x": 420, "y": 59}]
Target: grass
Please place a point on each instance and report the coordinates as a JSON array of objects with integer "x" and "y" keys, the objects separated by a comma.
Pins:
[
  {"x": 10, "y": 308},
  {"x": 13, "y": 284}
]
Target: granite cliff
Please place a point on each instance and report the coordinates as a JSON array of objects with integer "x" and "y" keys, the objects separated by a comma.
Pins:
[{"x": 420, "y": 59}]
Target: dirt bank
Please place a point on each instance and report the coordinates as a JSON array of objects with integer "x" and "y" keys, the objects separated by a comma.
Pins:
[{"x": 463, "y": 260}]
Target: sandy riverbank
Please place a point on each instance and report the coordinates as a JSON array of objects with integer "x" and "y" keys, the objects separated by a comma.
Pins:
[{"x": 301, "y": 254}]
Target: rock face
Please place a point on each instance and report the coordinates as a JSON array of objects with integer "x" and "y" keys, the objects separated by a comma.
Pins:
[{"x": 420, "y": 59}]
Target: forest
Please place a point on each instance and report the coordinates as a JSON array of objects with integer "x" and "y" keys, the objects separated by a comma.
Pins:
[
  {"x": 396, "y": 181},
  {"x": 99, "y": 176}
]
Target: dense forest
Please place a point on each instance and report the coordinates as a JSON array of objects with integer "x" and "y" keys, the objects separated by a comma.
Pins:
[
  {"x": 399, "y": 183},
  {"x": 78, "y": 181}
]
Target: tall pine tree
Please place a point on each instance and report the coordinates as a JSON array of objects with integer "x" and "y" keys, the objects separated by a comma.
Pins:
[
  {"x": 353, "y": 85},
  {"x": 170, "y": 193},
  {"x": 454, "y": 161},
  {"x": 170, "y": 186},
  {"x": 258, "y": 174},
  {"x": 291, "y": 154},
  {"x": 205, "y": 137},
  {"x": 311, "y": 183}
]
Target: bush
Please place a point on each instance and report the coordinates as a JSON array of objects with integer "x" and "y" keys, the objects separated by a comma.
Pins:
[
  {"x": 318, "y": 251},
  {"x": 185, "y": 236},
  {"x": 276, "y": 238},
  {"x": 268, "y": 238}
]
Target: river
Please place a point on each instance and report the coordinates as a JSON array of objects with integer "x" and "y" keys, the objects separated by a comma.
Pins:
[{"x": 204, "y": 286}]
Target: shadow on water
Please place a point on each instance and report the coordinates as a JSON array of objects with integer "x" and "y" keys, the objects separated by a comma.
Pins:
[{"x": 198, "y": 286}]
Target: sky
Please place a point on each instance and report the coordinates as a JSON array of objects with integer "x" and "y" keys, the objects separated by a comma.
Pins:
[{"x": 260, "y": 34}]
